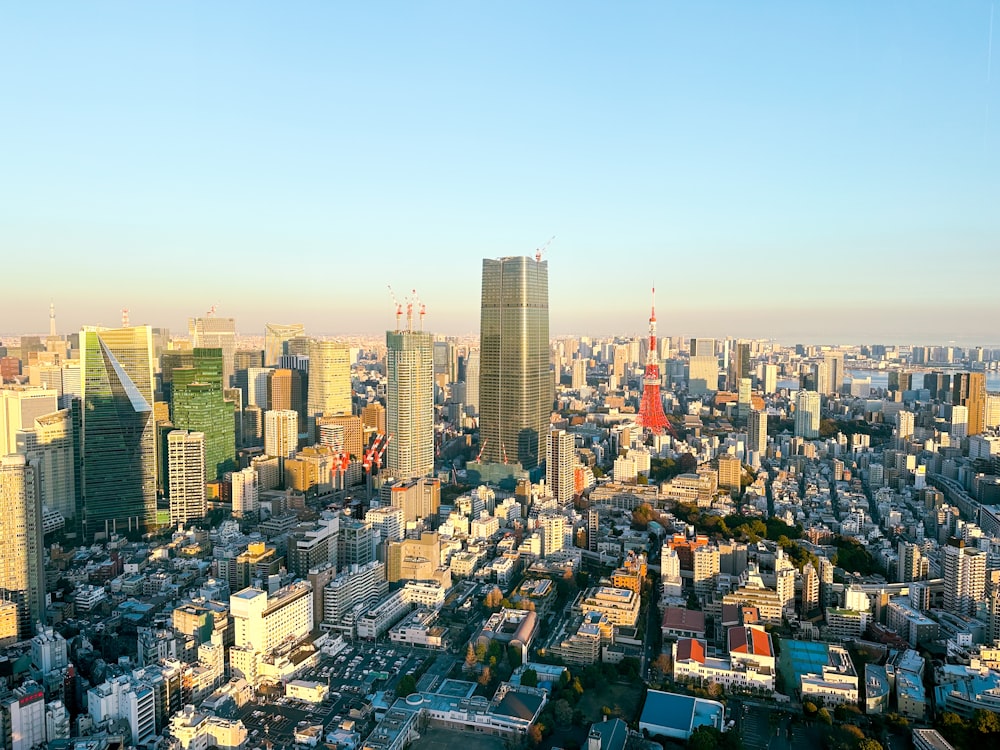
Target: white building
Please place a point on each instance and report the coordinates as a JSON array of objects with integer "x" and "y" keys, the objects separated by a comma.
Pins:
[
  {"x": 186, "y": 475},
  {"x": 262, "y": 622},
  {"x": 560, "y": 460},
  {"x": 807, "y": 414},
  {"x": 281, "y": 433},
  {"x": 245, "y": 491}
]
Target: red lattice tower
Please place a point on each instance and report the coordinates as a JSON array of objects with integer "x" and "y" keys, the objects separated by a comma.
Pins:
[{"x": 651, "y": 415}]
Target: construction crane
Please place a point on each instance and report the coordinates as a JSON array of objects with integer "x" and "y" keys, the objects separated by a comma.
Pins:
[
  {"x": 399, "y": 307},
  {"x": 423, "y": 307},
  {"x": 503, "y": 448},
  {"x": 211, "y": 311},
  {"x": 481, "y": 449},
  {"x": 542, "y": 249},
  {"x": 124, "y": 317}
]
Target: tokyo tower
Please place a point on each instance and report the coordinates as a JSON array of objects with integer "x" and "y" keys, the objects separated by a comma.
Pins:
[{"x": 651, "y": 414}]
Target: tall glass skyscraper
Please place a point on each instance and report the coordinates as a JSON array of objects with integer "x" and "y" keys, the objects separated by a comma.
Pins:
[
  {"x": 410, "y": 403},
  {"x": 118, "y": 431},
  {"x": 515, "y": 384},
  {"x": 199, "y": 406}
]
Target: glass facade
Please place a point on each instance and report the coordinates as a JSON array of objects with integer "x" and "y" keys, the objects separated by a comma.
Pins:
[
  {"x": 118, "y": 432},
  {"x": 199, "y": 406},
  {"x": 515, "y": 384}
]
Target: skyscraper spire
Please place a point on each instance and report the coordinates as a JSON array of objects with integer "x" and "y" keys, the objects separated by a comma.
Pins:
[{"x": 52, "y": 319}]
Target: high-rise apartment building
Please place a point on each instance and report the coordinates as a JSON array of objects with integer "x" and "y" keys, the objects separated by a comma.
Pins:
[
  {"x": 807, "y": 414},
  {"x": 22, "y": 572},
  {"x": 964, "y": 572},
  {"x": 515, "y": 384},
  {"x": 329, "y": 378},
  {"x": 757, "y": 432},
  {"x": 275, "y": 337},
  {"x": 969, "y": 390},
  {"x": 199, "y": 405},
  {"x": 410, "y": 403},
  {"x": 559, "y": 462},
  {"x": 216, "y": 333},
  {"x": 186, "y": 475},
  {"x": 245, "y": 491},
  {"x": 281, "y": 433},
  {"x": 472, "y": 382},
  {"x": 118, "y": 431}
]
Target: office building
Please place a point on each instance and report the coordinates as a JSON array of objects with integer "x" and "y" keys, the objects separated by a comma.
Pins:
[
  {"x": 199, "y": 405},
  {"x": 770, "y": 379},
  {"x": 969, "y": 390},
  {"x": 118, "y": 431},
  {"x": 807, "y": 414},
  {"x": 276, "y": 336},
  {"x": 703, "y": 374},
  {"x": 559, "y": 464},
  {"x": 216, "y": 333},
  {"x": 22, "y": 574},
  {"x": 186, "y": 475},
  {"x": 19, "y": 407},
  {"x": 418, "y": 498},
  {"x": 515, "y": 383},
  {"x": 410, "y": 403},
  {"x": 373, "y": 417},
  {"x": 329, "y": 378},
  {"x": 834, "y": 371},
  {"x": 50, "y": 446}
]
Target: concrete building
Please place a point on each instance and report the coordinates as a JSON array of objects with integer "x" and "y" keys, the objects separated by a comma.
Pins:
[
  {"x": 410, "y": 403},
  {"x": 22, "y": 576},
  {"x": 186, "y": 475}
]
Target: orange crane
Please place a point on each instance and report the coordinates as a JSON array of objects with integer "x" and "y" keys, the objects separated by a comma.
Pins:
[
  {"x": 124, "y": 317},
  {"x": 399, "y": 307},
  {"x": 481, "y": 449}
]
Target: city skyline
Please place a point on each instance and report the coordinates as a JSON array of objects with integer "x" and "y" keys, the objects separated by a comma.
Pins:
[{"x": 798, "y": 173}]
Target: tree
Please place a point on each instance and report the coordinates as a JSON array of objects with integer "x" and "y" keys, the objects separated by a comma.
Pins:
[
  {"x": 563, "y": 712},
  {"x": 824, "y": 716},
  {"x": 868, "y": 743},
  {"x": 663, "y": 664},
  {"x": 535, "y": 735},
  {"x": 407, "y": 686},
  {"x": 809, "y": 708},
  {"x": 985, "y": 722},
  {"x": 470, "y": 658},
  {"x": 529, "y": 678},
  {"x": 485, "y": 677}
]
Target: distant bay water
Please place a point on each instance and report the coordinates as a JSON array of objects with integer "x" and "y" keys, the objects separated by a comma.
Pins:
[{"x": 880, "y": 379}]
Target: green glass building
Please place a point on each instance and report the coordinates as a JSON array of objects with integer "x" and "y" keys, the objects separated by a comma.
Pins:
[
  {"x": 199, "y": 405},
  {"x": 117, "y": 431}
]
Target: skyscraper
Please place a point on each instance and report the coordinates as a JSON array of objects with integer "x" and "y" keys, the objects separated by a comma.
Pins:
[
  {"x": 515, "y": 385},
  {"x": 186, "y": 474},
  {"x": 559, "y": 462},
  {"x": 216, "y": 333},
  {"x": 969, "y": 390},
  {"x": 757, "y": 432},
  {"x": 50, "y": 447},
  {"x": 275, "y": 336},
  {"x": 22, "y": 575},
  {"x": 472, "y": 383},
  {"x": 807, "y": 414},
  {"x": 19, "y": 407},
  {"x": 118, "y": 431},
  {"x": 199, "y": 405},
  {"x": 329, "y": 378},
  {"x": 410, "y": 403}
]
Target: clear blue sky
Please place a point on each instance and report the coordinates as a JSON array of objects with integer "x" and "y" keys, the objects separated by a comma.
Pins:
[{"x": 822, "y": 171}]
